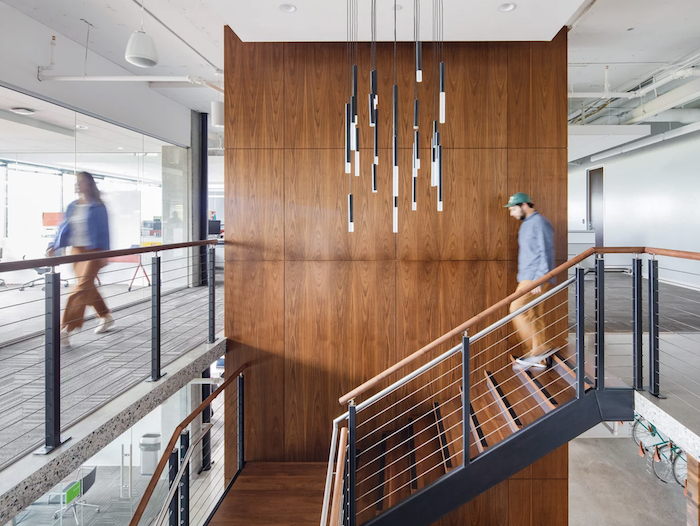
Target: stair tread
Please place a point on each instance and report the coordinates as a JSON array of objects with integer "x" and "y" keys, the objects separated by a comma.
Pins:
[
  {"x": 398, "y": 468},
  {"x": 427, "y": 450},
  {"x": 525, "y": 405},
  {"x": 452, "y": 419},
  {"x": 492, "y": 422}
]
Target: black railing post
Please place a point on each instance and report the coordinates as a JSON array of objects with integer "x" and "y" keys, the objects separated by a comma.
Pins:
[
  {"x": 600, "y": 321},
  {"x": 241, "y": 422},
  {"x": 185, "y": 480},
  {"x": 206, "y": 419},
  {"x": 155, "y": 319},
  {"x": 637, "y": 330},
  {"x": 52, "y": 362},
  {"x": 352, "y": 463},
  {"x": 211, "y": 277},
  {"x": 172, "y": 475},
  {"x": 580, "y": 334},
  {"x": 466, "y": 400},
  {"x": 654, "y": 327}
]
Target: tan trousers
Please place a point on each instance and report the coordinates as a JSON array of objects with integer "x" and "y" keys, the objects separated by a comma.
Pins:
[
  {"x": 85, "y": 292},
  {"x": 530, "y": 326}
]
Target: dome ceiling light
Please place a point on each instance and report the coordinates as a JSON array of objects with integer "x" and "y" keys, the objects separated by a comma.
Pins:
[{"x": 141, "y": 50}]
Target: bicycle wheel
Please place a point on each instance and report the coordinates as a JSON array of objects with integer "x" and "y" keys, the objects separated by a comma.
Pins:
[
  {"x": 664, "y": 469},
  {"x": 641, "y": 433},
  {"x": 680, "y": 468}
]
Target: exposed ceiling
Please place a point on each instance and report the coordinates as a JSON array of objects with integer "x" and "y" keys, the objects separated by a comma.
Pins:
[
  {"x": 587, "y": 140},
  {"x": 325, "y": 21}
]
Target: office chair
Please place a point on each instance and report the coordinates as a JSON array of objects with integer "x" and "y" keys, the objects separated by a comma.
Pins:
[
  {"x": 2, "y": 281},
  {"x": 41, "y": 271},
  {"x": 85, "y": 484}
]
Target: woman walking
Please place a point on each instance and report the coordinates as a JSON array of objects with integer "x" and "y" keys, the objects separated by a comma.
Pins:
[{"x": 86, "y": 230}]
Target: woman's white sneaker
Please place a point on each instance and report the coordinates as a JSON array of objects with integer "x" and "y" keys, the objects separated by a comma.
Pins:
[
  {"x": 65, "y": 339},
  {"x": 106, "y": 323}
]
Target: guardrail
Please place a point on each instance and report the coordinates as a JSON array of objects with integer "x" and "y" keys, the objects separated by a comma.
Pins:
[{"x": 161, "y": 299}]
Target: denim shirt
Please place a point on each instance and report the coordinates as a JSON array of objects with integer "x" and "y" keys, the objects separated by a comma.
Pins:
[
  {"x": 536, "y": 248},
  {"x": 98, "y": 228}
]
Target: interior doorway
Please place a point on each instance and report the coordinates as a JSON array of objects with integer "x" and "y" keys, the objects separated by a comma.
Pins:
[{"x": 595, "y": 210}]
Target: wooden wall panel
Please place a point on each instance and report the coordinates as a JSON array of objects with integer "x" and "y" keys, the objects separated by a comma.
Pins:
[
  {"x": 537, "y": 101},
  {"x": 255, "y": 207},
  {"x": 338, "y": 333},
  {"x": 255, "y": 332},
  {"x": 538, "y": 172},
  {"x": 254, "y": 93},
  {"x": 314, "y": 115},
  {"x": 476, "y": 96},
  {"x": 317, "y": 214},
  {"x": 318, "y": 310},
  {"x": 473, "y": 223}
]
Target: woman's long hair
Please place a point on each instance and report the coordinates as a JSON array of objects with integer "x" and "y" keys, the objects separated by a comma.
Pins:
[{"x": 93, "y": 193}]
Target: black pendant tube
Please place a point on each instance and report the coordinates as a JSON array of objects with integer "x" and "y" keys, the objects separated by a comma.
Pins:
[
  {"x": 376, "y": 137},
  {"x": 396, "y": 125},
  {"x": 415, "y": 114},
  {"x": 442, "y": 77},
  {"x": 416, "y": 140},
  {"x": 419, "y": 62},
  {"x": 371, "y": 110},
  {"x": 351, "y": 218},
  {"x": 439, "y": 178},
  {"x": 373, "y": 82},
  {"x": 374, "y": 178},
  {"x": 354, "y": 92},
  {"x": 348, "y": 117}
]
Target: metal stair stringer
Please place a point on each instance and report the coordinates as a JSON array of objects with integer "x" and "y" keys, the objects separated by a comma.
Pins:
[{"x": 508, "y": 457}]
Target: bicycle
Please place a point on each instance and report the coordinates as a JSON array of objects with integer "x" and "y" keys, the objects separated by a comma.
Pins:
[{"x": 669, "y": 461}]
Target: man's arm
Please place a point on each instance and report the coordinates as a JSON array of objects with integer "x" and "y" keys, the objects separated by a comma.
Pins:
[{"x": 540, "y": 248}]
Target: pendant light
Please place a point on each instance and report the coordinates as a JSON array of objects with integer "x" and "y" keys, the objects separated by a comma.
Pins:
[
  {"x": 395, "y": 140},
  {"x": 141, "y": 50}
]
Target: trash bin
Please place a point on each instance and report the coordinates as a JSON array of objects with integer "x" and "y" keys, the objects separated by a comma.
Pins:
[{"x": 150, "y": 452}]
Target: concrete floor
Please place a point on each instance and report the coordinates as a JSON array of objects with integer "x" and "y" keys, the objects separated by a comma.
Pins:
[{"x": 609, "y": 485}]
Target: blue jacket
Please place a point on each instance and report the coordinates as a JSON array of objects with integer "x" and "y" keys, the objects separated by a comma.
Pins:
[
  {"x": 98, "y": 228},
  {"x": 536, "y": 248}
]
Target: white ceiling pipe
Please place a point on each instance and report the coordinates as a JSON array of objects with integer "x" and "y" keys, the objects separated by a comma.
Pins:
[
  {"x": 677, "y": 97},
  {"x": 676, "y": 75},
  {"x": 197, "y": 81},
  {"x": 688, "y": 116},
  {"x": 678, "y": 132}
]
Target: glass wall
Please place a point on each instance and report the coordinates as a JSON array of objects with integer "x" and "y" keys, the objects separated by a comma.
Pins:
[{"x": 143, "y": 181}]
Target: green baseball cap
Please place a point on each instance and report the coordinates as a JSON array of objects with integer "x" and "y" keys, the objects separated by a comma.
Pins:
[{"x": 518, "y": 199}]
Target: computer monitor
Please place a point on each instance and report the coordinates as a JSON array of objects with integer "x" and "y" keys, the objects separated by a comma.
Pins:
[{"x": 214, "y": 228}]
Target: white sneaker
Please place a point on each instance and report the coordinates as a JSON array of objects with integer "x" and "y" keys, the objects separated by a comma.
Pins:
[
  {"x": 527, "y": 362},
  {"x": 65, "y": 339},
  {"x": 106, "y": 323}
]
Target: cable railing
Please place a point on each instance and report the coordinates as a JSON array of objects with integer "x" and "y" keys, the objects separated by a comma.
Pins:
[
  {"x": 455, "y": 407},
  {"x": 186, "y": 491},
  {"x": 72, "y": 341}
]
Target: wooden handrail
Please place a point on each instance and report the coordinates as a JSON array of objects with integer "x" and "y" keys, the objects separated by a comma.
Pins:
[
  {"x": 338, "y": 486},
  {"x": 472, "y": 322},
  {"x": 104, "y": 254},
  {"x": 173, "y": 441}
]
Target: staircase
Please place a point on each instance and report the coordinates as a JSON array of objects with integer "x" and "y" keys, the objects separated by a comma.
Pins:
[{"x": 405, "y": 462}]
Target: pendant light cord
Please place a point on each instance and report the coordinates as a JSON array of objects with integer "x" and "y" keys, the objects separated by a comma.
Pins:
[{"x": 394, "y": 42}]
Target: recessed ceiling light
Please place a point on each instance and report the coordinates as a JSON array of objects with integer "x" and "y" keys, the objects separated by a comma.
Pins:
[
  {"x": 288, "y": 8},
  {"x": 504, "y": 8},
  {"x": 23, "y": 111},
  {"x": 120, "y": 147},
  {"x": 81, "y": 127}
]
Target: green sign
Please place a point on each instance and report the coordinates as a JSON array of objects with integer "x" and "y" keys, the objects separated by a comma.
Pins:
[{"x": 73, "y": 492}]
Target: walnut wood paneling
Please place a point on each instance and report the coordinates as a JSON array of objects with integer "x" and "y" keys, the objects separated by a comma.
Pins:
[
  {"x": 254, "y": 93},
  {"x": 550, "y": 502},
  {"x": 537, "y": 101},
  {"x": 541, "y": 173},
  {"x": 488, "y": 509},
  {"x": 473, "y": 223},
  {"x": 317, "y": 211},
  {"x": 338, "y": 333},
  {"x": 255, "y": 205},
  {"x": 342, "y": 307},
  {"x": 520, "y": 502},
  {"x": 476, "y": 96},
  {"x": 314, "y": 115},
  {"x": 255, "y": 332}
]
